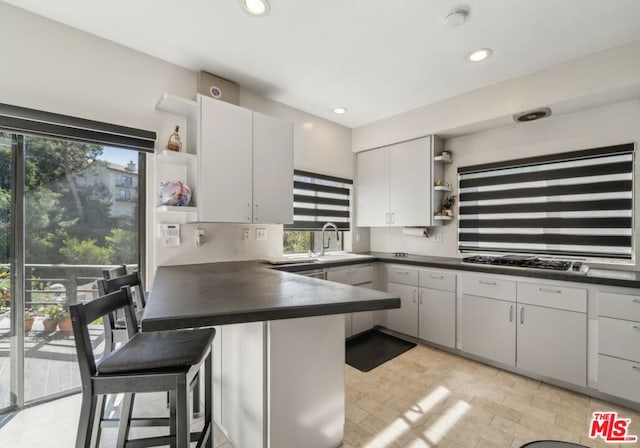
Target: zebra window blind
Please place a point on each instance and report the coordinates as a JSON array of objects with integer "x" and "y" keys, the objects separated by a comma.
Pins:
[
  {"x": 318, "y": 199},
  {"x": 574, "y": 204}
]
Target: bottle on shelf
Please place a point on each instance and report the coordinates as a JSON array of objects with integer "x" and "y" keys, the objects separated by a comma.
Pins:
[{"x": 174, "y": 143}]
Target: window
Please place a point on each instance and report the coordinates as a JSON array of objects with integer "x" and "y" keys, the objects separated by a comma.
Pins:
[
  {"x": 317, "y": 199},
  {"x": 575, "y": 204},
  {"x": 126, "y": 181},
  {"x": 60, "y": 224}
]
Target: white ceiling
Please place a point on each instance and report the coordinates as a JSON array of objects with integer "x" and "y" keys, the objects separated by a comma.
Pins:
[{"x": 377, "y": 58}]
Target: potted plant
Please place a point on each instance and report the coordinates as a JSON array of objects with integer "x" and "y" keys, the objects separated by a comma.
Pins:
[
  {"x": 51, "y": 315},
  {"x": 29, "y": 317},
  {"x": 64, "y": 321}
]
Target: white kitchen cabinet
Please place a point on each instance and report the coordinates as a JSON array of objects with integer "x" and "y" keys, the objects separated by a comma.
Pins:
[
  {"x": 553, "y": 343},
  {"x": 404, "y": 319},
  {"x": 437, "y": 307},
  {"x": 488, "y": 328},
  {"x": 356, "y": 275},
  {"x": 244, "y": 161},
  {"x": 394, "y": 185},
  {"x": 619, "y": 343}
]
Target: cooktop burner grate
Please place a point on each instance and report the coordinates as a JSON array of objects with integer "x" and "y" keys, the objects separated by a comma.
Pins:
[{"x": 524, "y": 262}]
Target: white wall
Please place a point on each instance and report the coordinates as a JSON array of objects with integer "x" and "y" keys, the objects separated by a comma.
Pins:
[
  {"x": 608, "y": 125},
  {"x": 56, "y": 68}
]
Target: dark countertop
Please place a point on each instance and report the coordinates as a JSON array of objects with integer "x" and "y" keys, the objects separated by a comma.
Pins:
[
  {"x": 197, "y": 295},
  {"x": 610, "y": 277}
]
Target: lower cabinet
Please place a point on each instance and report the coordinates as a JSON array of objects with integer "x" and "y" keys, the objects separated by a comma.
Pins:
[
  {"x": 437, "y": 316},
  {"x": 552, "y": 343},
  {"x": 356, "y": 275},
  {"x": 488, "y": 328},
  {"x": 404, "y": 319},
  {"x": 540, "y": 328}
]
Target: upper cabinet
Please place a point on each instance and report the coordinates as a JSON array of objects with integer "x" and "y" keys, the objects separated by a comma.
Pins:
[
  {"x": 395, "y": 184},
  {"x": 244, "y": 164}
]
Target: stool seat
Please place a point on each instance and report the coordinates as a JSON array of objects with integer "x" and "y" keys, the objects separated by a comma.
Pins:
[{"x": 162, "y": 350}]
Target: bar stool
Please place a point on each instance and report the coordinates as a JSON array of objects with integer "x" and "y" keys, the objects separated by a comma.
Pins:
[{"x": 147, "y": 362}]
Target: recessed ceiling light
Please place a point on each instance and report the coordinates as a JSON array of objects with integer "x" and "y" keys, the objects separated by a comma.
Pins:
[
  {"x": 339, "y": 110},
  {"x": 256, "y": 7},
  {"x": 480, "y": 55}
]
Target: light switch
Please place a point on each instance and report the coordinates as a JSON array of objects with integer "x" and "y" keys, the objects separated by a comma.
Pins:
[{"x": 261, "y": 234}]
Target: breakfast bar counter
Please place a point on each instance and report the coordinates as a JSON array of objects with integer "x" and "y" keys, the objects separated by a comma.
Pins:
[{"x": 279, "y": 350}]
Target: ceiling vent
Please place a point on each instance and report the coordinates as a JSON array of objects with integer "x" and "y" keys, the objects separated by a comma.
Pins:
[{"x": 532, "y": 115}]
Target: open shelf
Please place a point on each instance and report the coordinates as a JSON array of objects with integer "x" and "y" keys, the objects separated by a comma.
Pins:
[
  {"x": 177, "y": 209},
  {"x": 443, "y": 159},
  {"x": 442, "y": 188},
  {"x": 175, "y": 104},
  {"x": 442, "y": 218},
  {"x": 180, "y": 158}
]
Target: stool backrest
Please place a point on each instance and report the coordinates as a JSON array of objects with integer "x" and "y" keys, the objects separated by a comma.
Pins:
[
  {"x": 108, "y": 274},
  {"x": 132, "y": 280},
  {"x": 82, "y": 314}
]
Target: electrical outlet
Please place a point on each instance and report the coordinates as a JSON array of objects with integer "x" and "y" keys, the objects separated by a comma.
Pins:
[
  {"x": 261, "y": 234},
  {"x": 437, "y": 237},
  {"x": 357, "y": 237},
  {"x": 246, "y": 234},
  {"x": 199, "y": 237}
]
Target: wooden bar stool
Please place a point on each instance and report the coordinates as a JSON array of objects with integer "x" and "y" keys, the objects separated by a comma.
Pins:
[{"x": 147, "y": 362}]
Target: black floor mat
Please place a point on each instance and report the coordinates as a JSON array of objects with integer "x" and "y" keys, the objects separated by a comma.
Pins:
[{"x": 371, "y": 349}]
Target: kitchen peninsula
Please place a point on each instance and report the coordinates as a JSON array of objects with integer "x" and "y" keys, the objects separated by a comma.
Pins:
[{"x": 279, "y": 348}]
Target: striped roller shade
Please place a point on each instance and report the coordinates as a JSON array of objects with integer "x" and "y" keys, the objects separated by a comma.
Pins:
[
  {"x": 577, "y": 204},
  {"x": 318, "y": 199}
]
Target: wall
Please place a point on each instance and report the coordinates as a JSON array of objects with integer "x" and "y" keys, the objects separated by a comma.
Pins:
[
  {"x": 56, "y": 68},
  {"x": 607, "y": 125}
]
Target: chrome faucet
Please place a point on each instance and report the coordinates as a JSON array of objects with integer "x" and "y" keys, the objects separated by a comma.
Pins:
[{"x": 335, "y": 229}]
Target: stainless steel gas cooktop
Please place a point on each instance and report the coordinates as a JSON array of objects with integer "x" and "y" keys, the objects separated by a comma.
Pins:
[{"x": 520, "y": 261}]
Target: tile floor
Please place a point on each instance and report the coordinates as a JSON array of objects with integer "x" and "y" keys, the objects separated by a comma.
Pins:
[{"x": 423, "y": 398}]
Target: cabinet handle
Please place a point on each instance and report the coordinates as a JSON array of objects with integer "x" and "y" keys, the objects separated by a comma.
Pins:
[
  {"x": 249, "y": 212},
  {"x": 521, "y": 315},
  {"x": 636, "y": 300},
  {"x": 386, "y": 218},
  {"x": 414, "y": 296},
  {"x": 393, "y": 218},
  {"x": 402, "y": 272},
  {"x": 636, "y": 368},
  {"x": 421, "y": 297},
  {"x": 255, "y": 218},
  {"x": 436, "y": 276},
  {"x": 636, "y": 327},
  {"x": 351, "y": 272},
  {"x": 511, "y": 313},
  {"x": 556, "y": 291},
  {"x": 484, "y": 282}
]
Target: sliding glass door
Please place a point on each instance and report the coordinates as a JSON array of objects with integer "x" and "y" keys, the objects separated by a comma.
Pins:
[{"x": 68, "y": 210}]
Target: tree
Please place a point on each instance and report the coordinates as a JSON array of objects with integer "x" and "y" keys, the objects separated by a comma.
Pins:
[
  {"x": 123, "y": 245},
  {"x": 85, "y": 252}
]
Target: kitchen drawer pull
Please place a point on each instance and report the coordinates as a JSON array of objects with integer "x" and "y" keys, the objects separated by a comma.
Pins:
[
  {"x": 351, "y": 272},
  {"x": 402, "y": 272},
  {"x": 511, "y": 313},
  {"x": 636, "y": 300},
  {"x": 555, "y": 291},
  {"x": 484, "y": 282},
  {"x": 436, "y": 276},
  {"x": 636, "y": 327},
  {"x": 636, "y": 368}
]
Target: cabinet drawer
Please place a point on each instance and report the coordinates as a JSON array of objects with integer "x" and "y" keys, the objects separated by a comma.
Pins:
[
  {"x": 551, "y": 296},
  {"x": 489, "y": 287},
  {"x": 400, "y": 274},
  {"x": 620, "y": 338},
  {"x": 351, "y": 275},
  {"x": 622, "y": 306},
  {"x": 619, "y": 377},
  {"x": 437, "y": 280}
]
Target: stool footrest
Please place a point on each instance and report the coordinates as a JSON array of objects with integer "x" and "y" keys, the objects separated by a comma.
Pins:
[
  {"x": 158, "y": 441},
  {"x": 136, "y": 422}
]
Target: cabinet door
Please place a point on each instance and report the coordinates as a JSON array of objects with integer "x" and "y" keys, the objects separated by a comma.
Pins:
[
  {"x": 363, "y": 320},
  {"x": 225, "y": 171},
  {"x": 437, "y": 317},
  {"x": 372, "y": 188},
  {"x": 488, "y": 328},
  {"x": 410, "y": 183},
  {"x": 272, "y": 170},
  {"x": 404, "y": 319},
  {"x": 553, "y": 343}
]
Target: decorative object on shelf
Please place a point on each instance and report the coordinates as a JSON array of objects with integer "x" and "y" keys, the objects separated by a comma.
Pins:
[
  {"x": 174, "y": 193},
  {"x": 174, "y": 143},
  {"x": 438, "y": 182},
  {"x": 447, "y": 206},
  {"x": 446, "y": 154}
]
